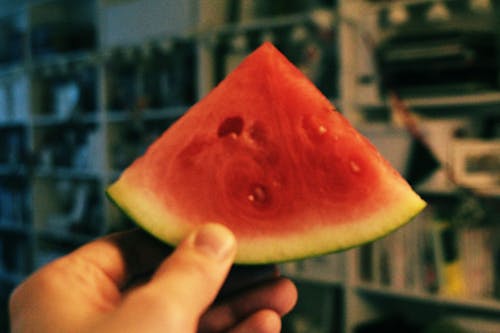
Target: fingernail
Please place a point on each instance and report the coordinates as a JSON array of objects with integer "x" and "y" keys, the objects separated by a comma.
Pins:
[{"x": 215, "y": 240}]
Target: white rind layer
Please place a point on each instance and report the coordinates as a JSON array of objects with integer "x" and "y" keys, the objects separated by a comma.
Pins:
[{"x": 318, "y": 239}]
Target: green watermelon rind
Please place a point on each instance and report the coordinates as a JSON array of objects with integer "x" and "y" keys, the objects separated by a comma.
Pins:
[{"x": 142, "y": 208}]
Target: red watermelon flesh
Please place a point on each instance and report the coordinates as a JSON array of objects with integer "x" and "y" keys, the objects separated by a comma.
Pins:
[{"x": 267, "y": 155}]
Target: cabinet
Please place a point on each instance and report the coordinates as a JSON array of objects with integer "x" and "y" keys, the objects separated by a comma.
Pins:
[{"x": 82, "y": 94}]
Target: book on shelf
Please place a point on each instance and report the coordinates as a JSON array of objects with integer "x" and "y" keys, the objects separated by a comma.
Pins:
[
  {"x": 14, "y": 205},
  {"x": 477, "y": 253},
  {"x": 13, "y": 101},
  {"x": 13, "y": 146},
  {"x": 154, "y": 76},
  {"x": 86, "y": 155},
  {"x": 465, "y": 260},
  {"x": 79, "y": 214},
  {"x": 397, "y": 260},
  {"x": 71, "y": 146},
  {"x": 433, "y": 255},
  {"x": 20, "y": 104},
  {"x": 450, "y": 272},
  {"x": 4, "y": 103}
]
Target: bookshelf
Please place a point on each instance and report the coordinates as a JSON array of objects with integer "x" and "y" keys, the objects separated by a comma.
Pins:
[
  {"x": 443, "y": 265},
  {"x": 74, "y": 114}
]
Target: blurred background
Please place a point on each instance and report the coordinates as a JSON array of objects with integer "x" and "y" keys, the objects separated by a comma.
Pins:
[{"x": 86, "y": 85}]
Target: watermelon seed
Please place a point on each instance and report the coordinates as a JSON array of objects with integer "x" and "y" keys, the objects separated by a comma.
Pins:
[
  {"x": 354, "y": 167},
  {"x": 231, "y": 126},
  {"x": 314, "y": 131},
  {"x": 258, "y": 194}
]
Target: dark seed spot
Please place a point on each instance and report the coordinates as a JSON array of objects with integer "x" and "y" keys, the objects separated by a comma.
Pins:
[
  {"x": 258, "y": 133},
  {"x": 191, "y": 152},
  {"x": 258, "y": 194},
  {"x": 230, "y": 126}
]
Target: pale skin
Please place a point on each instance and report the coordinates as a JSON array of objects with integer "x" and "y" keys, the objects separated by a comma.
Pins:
[{"x": 95, "y": 289}]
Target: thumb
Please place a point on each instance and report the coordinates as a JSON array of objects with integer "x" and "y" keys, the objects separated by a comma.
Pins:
[{"x": 187, "y": 282}]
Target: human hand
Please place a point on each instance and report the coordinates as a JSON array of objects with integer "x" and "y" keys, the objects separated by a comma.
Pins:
[{"x": 94, "y": 289}]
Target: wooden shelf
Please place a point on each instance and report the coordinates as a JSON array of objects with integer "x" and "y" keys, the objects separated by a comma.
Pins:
[{"x": 487, "y": 305}]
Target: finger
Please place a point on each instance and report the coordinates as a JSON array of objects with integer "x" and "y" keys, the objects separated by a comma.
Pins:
[
  {"x": 279, "y": 295},
  {"x": 263, "y": 321},
  {"x": 242, "y": 278},
  {"x": 123, "y": 256},
  {"x": 185, "y": 284}
]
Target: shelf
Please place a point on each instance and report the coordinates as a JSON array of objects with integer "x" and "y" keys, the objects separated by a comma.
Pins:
[
  {"x": 428, "y": 188},
  {"x": 9, "y": 70},
  {"x": 15, "y": 229},
  {"x": 65, "y": 59},
  {"x": 67, "y": 173},
  {"x": 486, "y": 305},
  {"x": 115, "y": 116},
  {"x": 55, "y": 120},
  {"x": 13, "y": 170},
  {"x": 51, "y": 61},
  {"x": 432, "y": 190},
  {"x": 481, "y": 103},
  {"x": 451, "y": 101},
  {"x": 12, "y": 123},
  {"x": 262, "y": 24},
  {"x": 64, "y": 236}
]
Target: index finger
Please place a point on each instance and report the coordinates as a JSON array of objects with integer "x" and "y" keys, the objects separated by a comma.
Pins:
[{"x": 125, "y": 255}]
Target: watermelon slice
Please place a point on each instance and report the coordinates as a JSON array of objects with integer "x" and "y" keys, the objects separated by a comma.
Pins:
[{"x": 267, "y": 155}]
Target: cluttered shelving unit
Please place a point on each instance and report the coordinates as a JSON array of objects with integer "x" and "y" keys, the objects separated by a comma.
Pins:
[
  {"x": 78, "y": 101},
  {"x": 424, "y": 87},
  {"x": 86, "y": 85}
]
